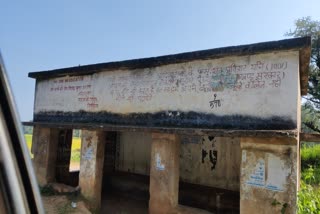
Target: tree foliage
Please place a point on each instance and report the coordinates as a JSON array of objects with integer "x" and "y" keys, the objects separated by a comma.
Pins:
[
  {"x": 27, "y": 129},
  {"x": 311, "y": 109}
]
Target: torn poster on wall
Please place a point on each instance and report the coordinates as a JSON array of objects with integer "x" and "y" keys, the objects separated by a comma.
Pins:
[
  {"x": 277, "y": 172},
  {"x": 257, "y": 178},
  {"x": 88, "y": 155}
]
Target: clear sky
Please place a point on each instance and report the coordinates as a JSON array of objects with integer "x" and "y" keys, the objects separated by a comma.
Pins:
[{"x": 44, "y": 35}]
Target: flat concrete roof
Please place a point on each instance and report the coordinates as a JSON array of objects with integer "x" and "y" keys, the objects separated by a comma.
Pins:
[{"x": 303, "y": 45}]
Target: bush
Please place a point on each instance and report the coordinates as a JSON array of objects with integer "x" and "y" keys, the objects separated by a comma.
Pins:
[
  {"x": 308, "y": 199},
  {"x": 311, "y": 175},
  {"x": 75, "y": 155},
  {"x": 310, "y": 156},
  {"x": 309, "y": 194}
]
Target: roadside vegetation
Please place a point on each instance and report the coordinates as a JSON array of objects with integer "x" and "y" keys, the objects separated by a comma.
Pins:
[
  {"x": 76, "y": 149},
  {"x": 309, "y": 194},
  {"x": 28, "y": 138}
]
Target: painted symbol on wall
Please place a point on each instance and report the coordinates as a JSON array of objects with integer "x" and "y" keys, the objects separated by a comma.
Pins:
[
  {"x": 213, "y": 158},
  {"x": 213, "y": 154},
  {"x": 204, "y": 154},
  {"x": 215, "y": 103},
  {"x": 159, "y": 166},
  {"x": 88, "y": 155}
]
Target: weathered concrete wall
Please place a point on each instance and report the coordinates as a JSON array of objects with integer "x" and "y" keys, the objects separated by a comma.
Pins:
[
  {"x": 209, "y": 161},
  {"x": 241, "y": 92},
  {"x": 44, "y": 149},
  {"x": 269, "y": 175},
  {"x": 164, "y": 173},
  {"x": 133, "y": 152},
  {"x": 91, "y": 166}
]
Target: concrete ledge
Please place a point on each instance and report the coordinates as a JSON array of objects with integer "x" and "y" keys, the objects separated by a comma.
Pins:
[
  {"x": 308, "y": 137},
  {"x": 171, "y": 130}
]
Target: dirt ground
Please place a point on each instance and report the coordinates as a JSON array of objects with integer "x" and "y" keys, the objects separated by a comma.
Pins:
[
  {"x": 74, "y": 166},
  {"x": 60, "y": 204},
  {"x": 116, "y": 204},
  {"x": 113, "y": 204}
]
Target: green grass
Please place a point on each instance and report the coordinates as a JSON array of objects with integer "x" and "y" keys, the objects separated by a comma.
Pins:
[
  {"x": 310, "y": 156},
  {"x": 76, "y": 143},
  {"x": 28, "y": 138},
  {"x": 308, "y": 199},
  {"x": 76, "y": 149},
  {"x": 309, "y": 194}
]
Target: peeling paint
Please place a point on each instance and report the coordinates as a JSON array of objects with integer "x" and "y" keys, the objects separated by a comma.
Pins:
[
  {"x": 257, "y": 177},
  {"x": 159, "y": 166},
  {"x": 268, "y": 174},
  {"x": 213, "y": 155},
  {"x": 88, "y": 154},
  {"x": 277, "y": 174}
]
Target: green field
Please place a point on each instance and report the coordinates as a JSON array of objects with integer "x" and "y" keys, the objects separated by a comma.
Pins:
[
  {"x": 309, "y": 194},
  {"x": 28, "y": 138},
  {"x": 75, "y": 149}
]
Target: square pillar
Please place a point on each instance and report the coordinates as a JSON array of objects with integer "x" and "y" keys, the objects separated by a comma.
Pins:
[
  {"x": 44, "y": 149},
  {"x": 269, "y": 176},
  {"x": 164, "y": 173},
  {"x": 91, "y": 166}
]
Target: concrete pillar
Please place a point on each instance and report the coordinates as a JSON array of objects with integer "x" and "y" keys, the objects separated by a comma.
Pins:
[
  {"x": 63, "y": 155},
  {"x": 91, "y": 166},
  {"x": 269, "y": 176},
  {"x": 44, "y": 149},
  {"x": 164, "y": 173}
]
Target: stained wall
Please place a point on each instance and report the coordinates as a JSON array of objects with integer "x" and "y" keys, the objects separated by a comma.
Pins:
[
  {"x": 235, "y": 92},
  {"x": 205, "y": 160},
  {"x": 269, "y": 175}
]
